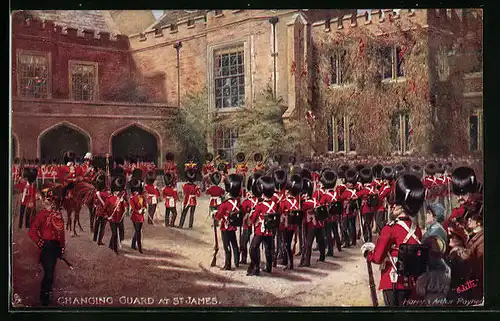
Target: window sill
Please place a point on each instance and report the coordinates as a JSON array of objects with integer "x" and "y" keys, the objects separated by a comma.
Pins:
[
  {"x": 394, "y": 80},
  {"x": 335, "y": 86},
  {"x": 228, "y": 109},
  {"x": 472, "y": 75}
]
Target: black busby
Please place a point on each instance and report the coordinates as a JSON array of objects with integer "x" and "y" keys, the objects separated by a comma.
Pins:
[
  {"x": 169, "y": 156},
  {"x": 464, "y": 181},
  {"x": 328, "y": 179},
  {"x": 37, "y": 161},
  {"x": 252, "y": 184},
  {"x": 168, "y": 179},
  {"x": 316, "y": 167},
  {"x": 17, "y": 160},
  {"x": 222, "y": 167},
  {"x": 305, "y": 173},
  {"x": 292, "y": 159},
  {"x": 118, "y": 184},
  {"x": 240, "y": 157},
  {"x": 416, "y": 170},
  {"x": 265, "y": 186},
  {"x": 137, "y": 173},
  {"x": 295, "y": 185},
  {"x": 53, "y": 193},
  {"x": 100, "y": 182},
  {"x": 277, "y": 158},
  {"x": 440, "y": 168},
  {"x": 377, "y": 170},
  {"x": 209, "y": 157},
  {"x": 406, "y": 165},
  {"x": 150, "y": 177},
  {"x": 232, "y": 184},
  {"x": 99, "y": 162},
  {"x": 359, "y": 167},
  {"x": 26, "y": 172},
  {"x": 388, "y": 173},
  {"x": 280, "y": 179},
  {"x": 215, "y": 178},
  {"x": 399, "y": 169},
  {"x": 257, "y": 157},
  {"x": 365, "y": 175},
  {"x": 136, "y": 186},
  {"x": 69, "y": 156},
  {"x": 430, "y": 168},
  {"x": 191, "y": 175},
  {"x": 307, "y": 187},
  {"x": 351, "y": 176},
  {"x": 31, "y": 174},
  {"x": 409, "y": 193},
  {"x": 222, "y": 154}
]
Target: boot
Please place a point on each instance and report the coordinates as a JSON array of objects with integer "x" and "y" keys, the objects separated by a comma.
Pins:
[
  {"x": 45, "y": 299},
  {"x": 329, "y": 253},
  {"x": 322, "y": 258},
  {"x": 269, "y": 268},
  {"x": 227, "y": 265}
]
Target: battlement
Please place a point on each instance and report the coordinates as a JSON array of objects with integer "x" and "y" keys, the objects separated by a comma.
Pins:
[{"x": 30, "y": 26}]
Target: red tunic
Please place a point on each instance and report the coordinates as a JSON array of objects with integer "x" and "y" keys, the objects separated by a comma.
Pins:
[
  {"x": 429, "y": 183},
  {"x": 346, "y": 197},
  {"x": 215, "y": 192},
  {"x": 222, "y": 214},
  {"x": 391, "y": 236},
  {"x": 68, "y": 174},
  {"x": 259, "y": 167},
  {"x": 100, "y": 198},
  {"x": 153, "y": 193},
  {"x": 28, "y": 193},
  {"x": 456, "y": 213},
  {"x": 364, "y": 193},
  {"x": 278, "y": 196},
  {"x": 309, "y": 219},
  {"x": 191, "y": 191},
  {"x": 329, "y": 197},
  {"x": 247, "y": 207},
  {"x": 48, "y": 225},
  {"x": 384, "y": 192},
  {"x": 170, "y": 195},
  {"x": 261, "y": 209},
  {"x": 318, "y": 193},
  {"x": 115, "y": 208},
  {"x": 171, "y": 167},
  {"x": 138, "y": 207},
  {"x": 242, "y": 169},
  {"x": 287, "y": 205}
]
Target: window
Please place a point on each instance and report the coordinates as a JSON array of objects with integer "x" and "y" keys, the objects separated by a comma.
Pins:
[
  {"x": 83, "y": 79},
  {"x": 339, "y": 69},
  {"x": 400, "y": 71},
  {"x": 229, "y": 75},
  {"x": 401, "y": 133},
  {"x": 329, "y": 129},
  {"x": 340, "y": 136},
  {"x": 392, "y": 62},
  {"x": 226, "y": 140},
  {"x": 475, "y": 131},
  {"x": 33, "y": 75},
  {"x": 386, "y": 63}
]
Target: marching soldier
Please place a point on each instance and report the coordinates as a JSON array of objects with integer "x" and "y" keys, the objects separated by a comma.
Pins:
[
  {"x": 369, "y": 201},
  {"x": 216, "y": 194},
  {"x": 247, "y": 207},
  {"x": 259, "y": 167},
  {"x": 381, "y": 216},
  {"x": 138, "y": 206},
  {"x": 47, "y": 231},
  {"x": 28, "y": 191},
  {"x": 331, "y": 198},
  {"x": 100, "y": 199},
  {"x": 116, "y": 206},
  {"x": 171, "y": 167},
  {"x": 153, "y": 194},
  {"x": 207, "y": 169},
  {"x": 242, "y": 169},
  {"x": 191, "y": 192},
  {"x": 350, "y": 207},
  {"x": 229, "y": 216},
  {"x": 171, "y": 198},
  {"x": 280, "y": 182},
  {"x": 290, "y": 218}
]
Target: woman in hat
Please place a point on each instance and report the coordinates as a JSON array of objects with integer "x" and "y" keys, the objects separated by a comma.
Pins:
[
  {"x": 434, "y": 218},
  {"x": 457, "y": 259}
]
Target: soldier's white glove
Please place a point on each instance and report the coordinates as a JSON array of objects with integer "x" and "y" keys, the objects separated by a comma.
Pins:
[{"x": 367, "y": 247}]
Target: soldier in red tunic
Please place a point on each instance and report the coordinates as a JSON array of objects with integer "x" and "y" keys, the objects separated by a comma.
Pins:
[
  {"x": 116, "y": 206},
  {"x": 350, "y": 208},
  {"x": 259, "y": 167},
  {"x": 171, "y": 198},
  {"x": 242, "y": 169},
  {"x": 331, "y": 198},
  {"x": 138, "y": 206},
  {"x": 69, "y": 174},
  {"x": 191, "y": 192},
  {"x": 247, "y": 207},
  {"x": 171, "y": 167},
  {"x": 229, "y": 216},
  {"x": 290, "y": 218},
  {"x": 280, "y": 183},
  {"x": 369, "y": 202},
  {"x": 153, "y": 194},
  {"x": 409, "y": 198},
  {"x": 47, "y": 231},
  {"x": 265, "y": 219},
  {"x": 28, "y": 189},
  {"x": 100, "y": 197},
  {"x": 207, "y": 169},
  {"x": 216, "y": 194},
  {"x": 386, "y": 187}
]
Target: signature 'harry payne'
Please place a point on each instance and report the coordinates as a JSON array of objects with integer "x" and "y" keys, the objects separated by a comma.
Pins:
[{"x": 467, "y": 286}]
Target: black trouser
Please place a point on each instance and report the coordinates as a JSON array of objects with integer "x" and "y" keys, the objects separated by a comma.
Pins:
[
  {"x": 113, "y": 242},
  {"x": 346, "y": 231},
  {"x": 92, "y": 211},
  {"x": 380, "y": 220},
  {"x": 332, "y": 227},
  {"x": 51, "y": 251},
  {"x": 137, "y": 238},
  {"x": 255, "y": 253},
  {"x": 245, "y": 239},
  {"x": 367, "y": 226},
  {"x": 121, "y": 230},
  {"x": 30, "y": 214},
  {"x": 229, "y": 241},
  {"x": 151, "y": 212},
  {"x": 99, "y": 228},
  {"x": 401, "y": 295},
  {"x": 191, "y": 209},
  {"x": 351, "y": 223},
  {"x": 280, "y": 240},
  {"x": 311, "y": 234},
  {"x": 300, "y": 232},
  {"x": 167, "y": 215},
  {"x": 288, "y": 256}
]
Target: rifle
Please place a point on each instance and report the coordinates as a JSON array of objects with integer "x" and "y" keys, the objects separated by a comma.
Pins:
[
  {"x": 216, "y": 248},
  {"x": 371, "y": 281}
]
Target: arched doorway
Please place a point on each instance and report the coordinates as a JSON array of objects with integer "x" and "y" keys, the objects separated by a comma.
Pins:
[
  {"x": 135, "y": 141},
  {"x": 61, "y": 138}
]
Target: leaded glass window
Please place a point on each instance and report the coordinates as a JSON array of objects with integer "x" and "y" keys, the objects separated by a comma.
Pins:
[
  {"x": 83, "y": 81},
  {"x": 229, "y": 76},
  {"x": 33, "y": 73}
]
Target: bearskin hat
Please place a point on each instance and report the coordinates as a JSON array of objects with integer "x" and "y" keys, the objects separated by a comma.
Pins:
[
  {"x": 191, "y": 174},
  {"x": 277, "y": 158},
  {"x": 365, "y": 175},
  {"x": 295, "y": 185},
  {"x": 406, "y": 165},
  {"x": 233, "y": 184},
  {"x": 416, "y": 170},
  {"x": 150, "y": 177},
  {"x": 222, "y": 154},
  {"x": 306, "y": 173},
  {"x": 316, "y": 167},
  {"x": 464, "y": 181},
  {"x": 257, "y": 157},
  {"x": 399, "y": 169},
  {"x": 136, "y": 186},
  {"x": 222, "y": 167},
  {"x": 328, "y": 179},
  {"x": 265, "y": 184},
  {"x": 280, "y": 179},
  {"x": 307, "y": 187},
  {"x": 240, "y": 157},
  {"x": 215, "y": 178},
  {"x": 69, "y": 156},
  {"x": 440, "y": 168},
  {"x": 137, "y": 173},
  {"x": 118, "y": 184},
  {"x": 100, "y": 182},
  {"x": 388, "y": 173},
  {"x": 359, "y": 167},
  {"x": 377, "y": 170},
  {"x": 292, "y": 159},
  {"x": 16, "y": 160},
  {"x": 168, "y": 179},
  {"x": 253, "y": 186},
  {"x": 430, "y": 168},
  {"x": 169, "y": 156},
  {"x": 209, "y": 157},
  {"x": 351, "y": 176},
  {"x": 31, "y": 174},
  {"x": 409, "y": 193},
  {"x": 99, "y": 162},
  {"x": 37, "y": 161}
]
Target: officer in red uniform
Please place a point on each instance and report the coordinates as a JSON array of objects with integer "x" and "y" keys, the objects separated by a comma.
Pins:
[
  {"x": 207, "y": 169},
  {"x": 153, "y": 194},
  {"x": 229, "y": 216},
  {"x": 216, "y": 194},
  {"x": 409, "y": 197},
  {"x": 171, "y": 198},
  {"x": 290, "y": 217},
  {"x": 264, "y": 219},
  {"x": 248, "y": 207},
  {"x": 369, "y": 202},
  {"x": 69, "y": 174},
  {"x": 27, "y": 188},
  {"x": 350, "y": 208},
  {"x": 47, "y": 231},
  {"x": 429, "y": 182},
  {"x": 241, "y": 168},
  {"x": 191, "y": 192},
  {"x": 331, "y": 198},
  {"x": 280, "y": 183},
  {"x": 171, "y": 167},
  {"x": 257, "y": 157},
  {"x": 138, "y": 206},
  {"x": 100, "y": 198},
  {"x": 116, "y": 206},
  {"x": 387, "y": 185}
]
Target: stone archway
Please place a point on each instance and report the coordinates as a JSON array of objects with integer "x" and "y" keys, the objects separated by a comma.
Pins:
[
  {"x": 135, "y": 141},
  {"x": 56, "y": 140}
]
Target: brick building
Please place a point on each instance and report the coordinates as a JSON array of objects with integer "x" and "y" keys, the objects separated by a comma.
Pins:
[{"x": 233, "y": 54}]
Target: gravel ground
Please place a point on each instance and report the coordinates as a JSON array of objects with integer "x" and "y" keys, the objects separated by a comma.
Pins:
[{"x": 175, "y": 271}]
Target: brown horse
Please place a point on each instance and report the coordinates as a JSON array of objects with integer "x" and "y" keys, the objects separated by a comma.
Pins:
[{"x": 72, "y": 204}]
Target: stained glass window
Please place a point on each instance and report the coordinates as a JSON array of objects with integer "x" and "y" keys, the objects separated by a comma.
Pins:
[
  {"x": 83, "y": 81},
  {"x": 229, "y": 70},
  {"x": 33, "y": 72}
]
